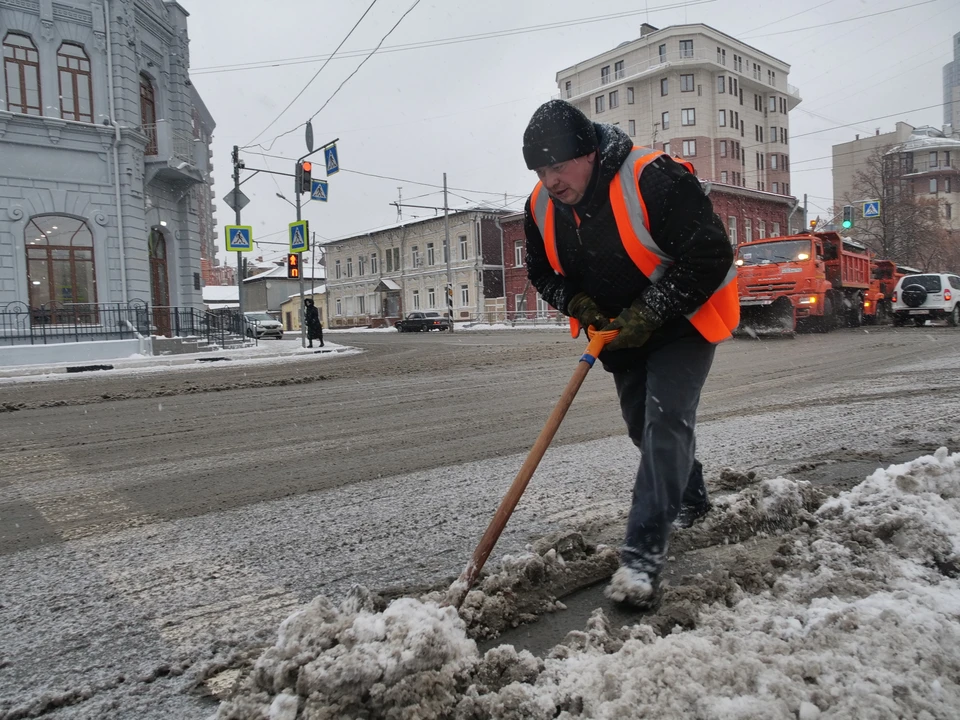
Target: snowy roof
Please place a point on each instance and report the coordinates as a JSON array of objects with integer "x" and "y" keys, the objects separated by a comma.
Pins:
[
  {"x": 280, "y": 271},
  {"x": 386, "y": 284},
  {"x": 926, "y": 138},
  {"x": 316, "y": 290},
  {"x": 221, "y": 293},
  {"x": 395, "y": 226}
]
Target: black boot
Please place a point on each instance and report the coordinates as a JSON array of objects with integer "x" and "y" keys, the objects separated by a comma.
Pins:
[{"x": 689, "y": 515}]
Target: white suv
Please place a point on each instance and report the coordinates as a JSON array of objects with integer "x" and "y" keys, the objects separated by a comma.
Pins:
[{"x": 929, "y": 296}]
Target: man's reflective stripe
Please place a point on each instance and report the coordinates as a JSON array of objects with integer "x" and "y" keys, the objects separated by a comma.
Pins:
[
  {"x": 630, "y": 210},
  {"x": 542, "y": 208}
]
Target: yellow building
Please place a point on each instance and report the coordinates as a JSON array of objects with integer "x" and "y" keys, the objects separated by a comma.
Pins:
[{"x": 290, "y": 309}]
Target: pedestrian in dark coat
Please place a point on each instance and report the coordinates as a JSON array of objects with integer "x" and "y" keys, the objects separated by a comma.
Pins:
[
  {"x": 314, "y": 326},
  {"x": 625, "y": 233}
]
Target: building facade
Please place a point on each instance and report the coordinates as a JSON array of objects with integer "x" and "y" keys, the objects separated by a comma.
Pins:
[
  {"x": 105, "y": 183},
  {"x": 951, "y": 88},
  {"x": 852, "y": 157},
  {"x": 376, "y": 278},
  {"x": 923, "y": 161},
  {"x": 696, "y": 93}
]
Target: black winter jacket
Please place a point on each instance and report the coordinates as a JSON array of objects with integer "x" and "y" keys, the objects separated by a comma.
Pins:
[{"x": 682, "y": 223}]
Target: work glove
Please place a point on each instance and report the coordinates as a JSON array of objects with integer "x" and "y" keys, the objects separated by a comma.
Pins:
[
  {"x": 636, "y": 324},
  {"x": 586, "y": 311}
]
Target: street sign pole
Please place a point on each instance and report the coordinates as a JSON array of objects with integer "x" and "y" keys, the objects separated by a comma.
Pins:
[
  {"x": 303, "y": 316},
  {"x": 449, "y": 251},
  {"x": 236, "y": 191}
]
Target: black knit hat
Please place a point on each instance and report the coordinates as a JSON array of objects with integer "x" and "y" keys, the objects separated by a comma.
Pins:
[{"x": 557, "y": 132}]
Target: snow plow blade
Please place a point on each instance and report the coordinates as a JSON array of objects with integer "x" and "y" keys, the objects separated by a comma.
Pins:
[{"x": 759, "y": 320}]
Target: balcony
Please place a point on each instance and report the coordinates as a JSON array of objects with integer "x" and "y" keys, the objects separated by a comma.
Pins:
[
  {"x": 670, "y": 60},
  {"x": 925, "y": 167},
  {"x": 172, "y": 155}
]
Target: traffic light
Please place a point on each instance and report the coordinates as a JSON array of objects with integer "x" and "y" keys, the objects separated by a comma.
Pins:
[
  {"x": 847, "y": 217},
  {"x": 293, "y": 265},
  {"x": 304, "y": 177}
]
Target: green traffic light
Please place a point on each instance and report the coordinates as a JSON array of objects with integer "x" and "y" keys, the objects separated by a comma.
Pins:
[{"x": 847, "y": 224}]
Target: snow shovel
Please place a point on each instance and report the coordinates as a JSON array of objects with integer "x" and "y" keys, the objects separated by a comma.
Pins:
[{"x": 459, "y": 589}]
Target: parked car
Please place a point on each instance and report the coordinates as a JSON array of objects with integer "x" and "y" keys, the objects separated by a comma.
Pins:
[
  {"x": 261, "y": 325},
  {"x": 422, "y": 322},
  {"x": 930, "y": 296}
]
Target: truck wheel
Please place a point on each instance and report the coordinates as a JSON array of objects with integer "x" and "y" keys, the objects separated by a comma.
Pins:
[
  {"x": 855, "y": 317},
  {"x": 883, "y": 313}
]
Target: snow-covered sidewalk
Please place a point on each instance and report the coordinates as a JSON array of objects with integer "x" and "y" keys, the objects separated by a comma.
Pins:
[{"x": 272, "y": 351}]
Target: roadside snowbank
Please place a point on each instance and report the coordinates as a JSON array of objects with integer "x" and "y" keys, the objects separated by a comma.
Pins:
[{"x": 862, "y": 612}]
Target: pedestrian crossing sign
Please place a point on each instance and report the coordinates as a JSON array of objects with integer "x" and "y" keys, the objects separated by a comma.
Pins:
[
  {"x": 239, "y": 238},
  {"x": 299, "y": 232},
  {"x": 871, "y": 209},
  {"x": 333, "y": 164},
  {"x": 319, "y": 191}
]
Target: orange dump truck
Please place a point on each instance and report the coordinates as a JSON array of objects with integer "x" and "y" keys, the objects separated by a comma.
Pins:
[
  {"x": 886, "y": 274},
  {"x": 818, "y": 280}
]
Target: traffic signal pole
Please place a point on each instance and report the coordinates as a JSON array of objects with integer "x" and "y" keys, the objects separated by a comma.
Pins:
[
  {"x": 236, "y": 190},
  {"x": 303, "y": 315}
]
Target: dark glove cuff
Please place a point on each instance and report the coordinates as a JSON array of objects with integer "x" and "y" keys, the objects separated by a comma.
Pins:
[{"x": 651, "y": 318}]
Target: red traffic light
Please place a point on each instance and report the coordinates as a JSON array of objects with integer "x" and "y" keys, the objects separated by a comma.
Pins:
[{"x": 307, "y": 167}]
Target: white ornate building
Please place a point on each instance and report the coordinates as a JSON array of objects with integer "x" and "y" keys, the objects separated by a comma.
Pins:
[{"x": 105, "y": 178}]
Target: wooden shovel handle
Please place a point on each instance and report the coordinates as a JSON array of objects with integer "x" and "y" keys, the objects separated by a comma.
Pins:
[{"x": 458, "y": 591}]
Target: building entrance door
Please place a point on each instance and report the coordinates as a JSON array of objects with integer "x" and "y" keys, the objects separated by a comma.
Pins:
[{"x": 159, "y": 282}]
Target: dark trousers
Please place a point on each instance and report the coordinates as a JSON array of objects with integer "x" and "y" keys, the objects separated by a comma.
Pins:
[{"x": 659, "y": 401}]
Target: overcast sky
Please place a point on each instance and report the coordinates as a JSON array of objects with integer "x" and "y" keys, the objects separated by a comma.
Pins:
[{"x": 460, "y": 106}]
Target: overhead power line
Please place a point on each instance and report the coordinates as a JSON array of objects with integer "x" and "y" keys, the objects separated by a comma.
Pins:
[
  {"x": 310, "y": 81},
  {"x": 362, "y": 62},
  {"x": 832, "y": 23},
  {"x": 438, "y": 42}
]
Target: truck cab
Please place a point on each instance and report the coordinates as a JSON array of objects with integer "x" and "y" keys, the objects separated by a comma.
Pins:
[{"x": 813, "y": 279}]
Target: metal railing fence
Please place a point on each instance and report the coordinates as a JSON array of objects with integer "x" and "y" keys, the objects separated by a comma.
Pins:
[{"x": 21, "y": 324}]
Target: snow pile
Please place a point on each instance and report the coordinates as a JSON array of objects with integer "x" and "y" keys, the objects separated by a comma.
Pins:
[
  {"x": 351, "y": 661},
  {"x": 528, "y": 585},
  {"x": 863, "y": 618}
]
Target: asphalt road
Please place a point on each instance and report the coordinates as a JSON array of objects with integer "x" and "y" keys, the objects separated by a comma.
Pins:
[
  {"x": 153, "y": 525},
  {"x": 190, "y": 442}
]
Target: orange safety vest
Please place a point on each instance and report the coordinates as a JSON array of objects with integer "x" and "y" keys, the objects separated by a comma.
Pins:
[{"x": 717, "y": 317}]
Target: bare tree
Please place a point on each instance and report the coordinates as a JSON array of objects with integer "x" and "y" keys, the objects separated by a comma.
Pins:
[{"x": 909, "y": 229}]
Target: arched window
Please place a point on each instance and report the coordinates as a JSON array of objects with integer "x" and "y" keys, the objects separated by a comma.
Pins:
[
  {"x": 60, "y": 263},
  {"x": 148, "y": 114},
  {"x": 76, "y": 83},
  {"x": 21, "y": 68}
]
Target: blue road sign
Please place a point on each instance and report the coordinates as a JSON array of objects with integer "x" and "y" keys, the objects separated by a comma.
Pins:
[
  {"x": 319, "y": 190},
  {"x": 239, "y": 238},
  {"x": 871, "y": 209},
  {"x": 333, "y": 164},
  {"x": 299, "y": 232}
]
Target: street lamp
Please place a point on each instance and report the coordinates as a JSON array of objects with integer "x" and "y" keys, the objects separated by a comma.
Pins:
[{"x": 281, "y": 196}]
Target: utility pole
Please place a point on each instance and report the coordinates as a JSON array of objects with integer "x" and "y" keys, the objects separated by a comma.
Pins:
[
  {"x": 449, "y": 252},
  {"x": 236, "y": 191},
  {"x": 303, "y": 325},
  {"x": 805, "y": 226},
  {"x": 399, "y": 203}
]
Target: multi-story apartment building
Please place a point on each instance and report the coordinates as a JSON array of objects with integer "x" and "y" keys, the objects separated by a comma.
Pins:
[
  {"x": 376, "y": 278},
  {"x": 696, "y": 93},
  {"x": 951, "y": 88},
  {"x": 105, "y": 179},
  {"x": 699, "y": 94},
  {"x": 923, "y": 161}
]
